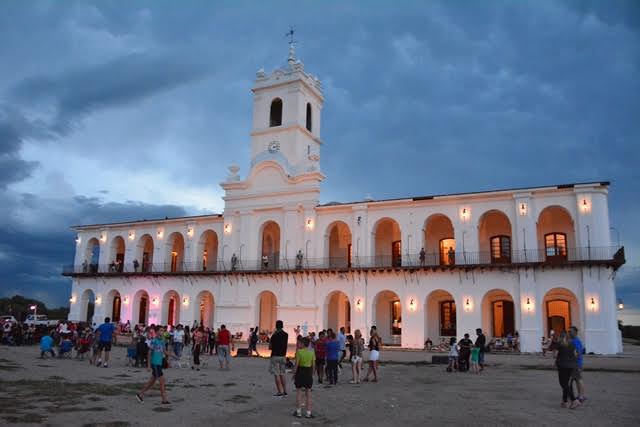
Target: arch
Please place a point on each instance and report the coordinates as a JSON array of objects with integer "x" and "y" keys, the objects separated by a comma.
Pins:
[
  {"x": 441, "y": 316},
  {"x": 338, "y": 311},
  {"x": 494, "y": 237},
  {"x": 338, "y": 244},
  {"x": 87, "y": 306},
  {"x": 308, "y": 122},
  {"x": 439, "y": 241},
  {"x": 275, "y": 113},
  {"x": 141, "y": 308},
  {"x": 560, "y": 310},
  {"x": 267, "y": 312},
  {"x": 204, "y": 309},
  {"x": 208, "y": 251},
  {"x": 174, "y": 256},
  {"x": 555, "y": 233},
  {"x": 144, "y": 254},
  {"x": 498, "y": 314},
  {"x": 269, "y": 245},
  {"x": 387, "y": 247},
  {"x": 116, "y": 254},
  {"x": 113, "y": 305},
  {"x": 170, "y": 308},
  {"x": 387, "y": 316},
  {"x": 91, "y": 256}
]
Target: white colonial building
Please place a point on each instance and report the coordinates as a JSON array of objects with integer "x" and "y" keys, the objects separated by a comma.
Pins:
[{"x": 526, "y": 260}]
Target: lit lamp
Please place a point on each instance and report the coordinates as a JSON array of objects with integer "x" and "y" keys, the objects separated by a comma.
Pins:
[
  {"x": 359, "y": 305},
  {"x": 154, "y": 301},
  {"x": 468, "y": 305},
  {"x": 523, "y": 209},
  {"x": 126, "y": 300},
  {"x": 185, "y": 301},
  {"x": 72, "y": 300},
  {"x": 412, "y": 305},
  {"x": 584, "y": 206},
  {"x": 227, "y": 228},
  {"x": 528, "y": 304},
  {"x": 159, "y": 234},
  {"x": 190, "y": 231},
  {"x": 464, "y": 214},
  {"x": 620, "y": 304},
  {"x": 132, "y": 235},
  {"x": 309, "y": 224},
  {"x": 593, "y": 304},
  {"x": 78, "y": 240},
  {"x": 103, "y": 237},
  {"x": 98, "y": 300}
]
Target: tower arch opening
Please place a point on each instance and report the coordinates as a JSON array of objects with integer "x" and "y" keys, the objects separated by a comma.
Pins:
[{"x": 275, "y": 113}]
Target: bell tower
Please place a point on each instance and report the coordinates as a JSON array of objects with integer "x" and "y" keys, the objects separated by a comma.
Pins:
[{"x": 287, "y": 106}]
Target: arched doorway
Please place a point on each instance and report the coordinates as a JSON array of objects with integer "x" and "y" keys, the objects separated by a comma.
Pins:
[
  {"x": 87, "y": 306},
  {"x": 387, "y": 243},
  {"x": 556, "y": 236},
  {"x": 91, "y": 256},
  {"x": 171, "y": 308},
  {"x": 116, "y": 255},
  {"x": 204, "y": 306},
  {"x": 338, "y": 311},
  {"x": 114, "y": 305},
  {"x": 494, "y": 237},
  {"x": 498, "y": 314},
  {"x": 560, "y": 310},
  {"x": 174, "y": 258},
  {"x": 387, "y": 317},
  {"x": 208, "y": 251},
  {"x": 439, "y": 241},
  {"x": 339, "y": 246},
  {"x": 270, "y": 246},
  {"x": 267, "y": 311},
  {"x": 141, "y": 307},
  {"x": 144, "y": 254},
  {"x": 440, "y": 316}
]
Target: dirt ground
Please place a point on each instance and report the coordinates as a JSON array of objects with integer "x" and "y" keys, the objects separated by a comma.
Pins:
[{"x": 513, "y": 390}]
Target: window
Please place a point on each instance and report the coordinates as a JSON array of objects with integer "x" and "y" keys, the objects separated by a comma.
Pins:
[
  {"x": 309, "y": 117},
  {"x": 396, "y": 319},
  {"x": 448, "y": 319},
  {"x": 275, "y": 115},
  {"x": 555, "y": 246},
  {"x": 500, "y": 249},
  {"x": 447, "y": 251}
]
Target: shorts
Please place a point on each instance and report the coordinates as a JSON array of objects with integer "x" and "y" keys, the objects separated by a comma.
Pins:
[
  {"x": 104, "y": 345},
  {"x": 375, "y": 355},
  {"x": 277, "y": 365},
  {"x": 356, "y": 359},
  {"x": 577, "y": 374},
  {"x": 156, "y": 371},
  {"x": 224, "y": 353},
  {"x": 481, "y": 358},
  {"x": 304, "y": 378}
]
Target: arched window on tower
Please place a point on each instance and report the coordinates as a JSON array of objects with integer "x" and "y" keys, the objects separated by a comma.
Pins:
[
  {"x": 309, "y": 126},
  {"x": 275, "y": 116}
]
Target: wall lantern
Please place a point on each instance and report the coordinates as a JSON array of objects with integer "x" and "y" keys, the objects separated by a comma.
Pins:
[
  {"x": 528, "y": 304},
  {"x": 585, "y": 206},
  {"x": 103, "y": 237},
  {"x": 593, "y": 304},
  {"x": 468, "y": 305},
  {"x": 160, "y": 233},
  {"x": 308, "y": 224},
  {"x": 78, "y": 240},
  {"x": 155, "y": 301},
  {"x": 132, "y": 235},
  {"x": 98, "y": 300},
  {"x": 185, "y": 301},
  {"x": 72, "y": 300},
  {"x": 412, "y": 305},
  {"x": 464, "y": 214},
  {"x": 227, "y": 228},
  {"x": 190, "y": 231},
  {"x": 359, "y": 304},
  {"x": 620, "y": 304},
  {"x": 126, "y": 300},
  {"x": 523, "y": 209}
]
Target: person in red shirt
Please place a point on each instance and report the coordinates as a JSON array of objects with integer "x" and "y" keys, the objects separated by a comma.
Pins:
[
  {"x": 224, "y": 342},
  {"x": 321, "y": 355}
]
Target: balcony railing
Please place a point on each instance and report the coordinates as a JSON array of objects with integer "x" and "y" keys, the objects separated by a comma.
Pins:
[{"x": 613, "y": 256}]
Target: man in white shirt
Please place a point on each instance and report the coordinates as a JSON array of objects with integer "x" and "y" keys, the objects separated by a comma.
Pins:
[{"x": 178, "y": 341}]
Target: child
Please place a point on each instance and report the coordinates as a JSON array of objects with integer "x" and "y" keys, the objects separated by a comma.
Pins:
[
  {"x": 131, "y": 351},
  {"x": 475, "y": 357},
  {"x": 320, "y": 350},
  {"x": 46, "y": 346},
  {"x": 453, "y": 355},
  {"x": 157, "y": 353},
  {"x": 303, "y": 377}
]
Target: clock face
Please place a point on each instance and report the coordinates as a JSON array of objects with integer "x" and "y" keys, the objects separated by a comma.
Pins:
[{"x": 274, "y": 146}]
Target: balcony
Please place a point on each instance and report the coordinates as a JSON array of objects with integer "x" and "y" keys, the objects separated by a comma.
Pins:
[{"x": 607, "y": 256}]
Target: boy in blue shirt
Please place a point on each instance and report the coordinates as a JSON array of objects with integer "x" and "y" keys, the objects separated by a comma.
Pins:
[
  {"x": 106, "y": 335},
  {"x": 157, "y": 353},
  {"x": 577, "y": 373}
]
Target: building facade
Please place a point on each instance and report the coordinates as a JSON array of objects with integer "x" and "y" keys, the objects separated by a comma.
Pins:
[{"x": 526, "y": 260}]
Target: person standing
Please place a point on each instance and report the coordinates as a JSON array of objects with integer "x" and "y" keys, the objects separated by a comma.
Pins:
[
  {"x": 321, "y": 355},
  {"x": 104, "y": 344},
  {"x": 223, "y": 344},
  {"x": 481, "y": 342},
  {"x": 197, "y": 347},
  {"x": 423, "y": 257},
  {"x": 46, "y": 345},
  {"x": 374, "y": 354},
  {"x": 357, "y": 348},
  {"x": 178, "y": 341},
  {"x": 577, "y": 373},
  {"x": 155, "y": 357},
  {"x": 253, "y": 342},
  {"x": 333, "y": 356},
  {"x": 566, "y": 362},
  {"x": 277, "y": 364},
  {"x": 465, "y": 353},
  {"x": 303, "y": 377},
  {"x": 212, "y": 341},
  {"x": 342, "y": 340}
]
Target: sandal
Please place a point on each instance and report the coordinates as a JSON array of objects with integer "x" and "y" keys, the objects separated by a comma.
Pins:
[{"x": 166, "y": 402}]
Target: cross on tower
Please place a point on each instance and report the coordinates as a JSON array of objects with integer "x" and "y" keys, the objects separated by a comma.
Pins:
[{"x": 290, "y": 35}]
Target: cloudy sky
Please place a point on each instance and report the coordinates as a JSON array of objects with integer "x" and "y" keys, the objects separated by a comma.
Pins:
[{"x": 114, "y": 111}]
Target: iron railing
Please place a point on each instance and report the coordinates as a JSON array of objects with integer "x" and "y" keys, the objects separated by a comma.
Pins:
[{"x": 562, "y": 256}]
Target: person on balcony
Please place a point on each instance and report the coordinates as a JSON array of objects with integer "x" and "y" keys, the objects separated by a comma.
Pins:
[
  {"x": 85, "y": 266},
  {"x": 299, "y": 258},
  {"x": 265, "y": 262},
  {"x": 423, "y": 257},
  {"x": 234, "y": 262},
  {"x": 451, "y": 255},
  {"x": 136, "y": 264}
]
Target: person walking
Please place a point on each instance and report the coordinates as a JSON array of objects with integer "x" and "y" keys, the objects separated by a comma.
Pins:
[
  {"x": 374, "y": 354},
  {"x": 342, "y": 340},
  {"x": 566, "y": 362},
  {"x": 178, "y": 341},
  {"x": 481, "y": 342},
  {"x": 577, "y": 373},
  {"x": 253, "y": 342},
  {"x": 155, "y": 358},
  {"x": 104, "y": 344},
  {"x": 225, "y": 347},
  {"x": 278, "y": 362},
  {"x": 357, "y": 349},
  {"x": 198, "y": 338},
  {"x": 303, "y": 378}
]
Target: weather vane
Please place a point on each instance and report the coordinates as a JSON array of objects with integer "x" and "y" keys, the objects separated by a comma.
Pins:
[{"x": 290, "y": 35}]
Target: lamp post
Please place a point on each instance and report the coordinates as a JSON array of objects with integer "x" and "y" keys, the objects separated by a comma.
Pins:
[{"x": 34, "y": 307}]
